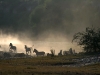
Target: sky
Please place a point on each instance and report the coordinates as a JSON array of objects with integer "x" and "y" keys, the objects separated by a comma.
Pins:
[{"x": 84, "y": 13}]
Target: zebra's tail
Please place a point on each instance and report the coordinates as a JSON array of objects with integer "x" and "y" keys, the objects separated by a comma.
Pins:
[{"x": 16, "y": 50}]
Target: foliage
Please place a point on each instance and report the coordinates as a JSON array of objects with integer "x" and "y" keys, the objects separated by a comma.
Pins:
[{"x": 89, "y": 40}]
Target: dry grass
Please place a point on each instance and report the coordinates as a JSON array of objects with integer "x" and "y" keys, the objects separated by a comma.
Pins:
[{"x": 44, "y": 66}]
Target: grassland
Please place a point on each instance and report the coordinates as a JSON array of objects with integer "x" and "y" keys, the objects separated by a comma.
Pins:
[{"x": 46, "y": 66}]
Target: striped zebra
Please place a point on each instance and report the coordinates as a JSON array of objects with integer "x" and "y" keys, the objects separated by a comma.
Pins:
[
  {"x": 12, "y": 48},
  {"x": 39, "y": 53},
  {"x": 28, "y": 49},
  {"x": 48, "y": 54}
]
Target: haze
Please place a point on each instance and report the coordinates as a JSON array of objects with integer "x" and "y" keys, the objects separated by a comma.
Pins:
[{"x": 46, "y": 24}]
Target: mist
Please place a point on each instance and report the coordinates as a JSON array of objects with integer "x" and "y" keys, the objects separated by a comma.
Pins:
[
  {"x": 51, "y": 24},
  {"x": 66, "y": 18},
  {"x": 43, "y": 42}
]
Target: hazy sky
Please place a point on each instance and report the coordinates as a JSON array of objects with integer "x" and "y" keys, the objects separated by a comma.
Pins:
[{"x": 74, "y": 16}]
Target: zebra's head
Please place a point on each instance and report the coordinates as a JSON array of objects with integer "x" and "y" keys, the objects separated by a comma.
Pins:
[
  {"x": 35, "y": 51},
  {"x": 25, "y": 46}
]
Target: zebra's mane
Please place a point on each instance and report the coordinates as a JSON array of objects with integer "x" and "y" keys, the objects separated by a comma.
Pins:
[{"x": 36, "y": 50}]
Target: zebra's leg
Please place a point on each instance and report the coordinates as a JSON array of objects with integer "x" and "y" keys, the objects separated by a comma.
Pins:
[
  {"x": 15, "y": 51},
  {"x": 30, "y": 52},
  {"x": 10, "y": 50},
  {"x": 26, "y": 52}
]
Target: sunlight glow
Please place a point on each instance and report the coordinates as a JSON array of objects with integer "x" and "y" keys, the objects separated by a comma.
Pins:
[{"x": 7, "y": 40}]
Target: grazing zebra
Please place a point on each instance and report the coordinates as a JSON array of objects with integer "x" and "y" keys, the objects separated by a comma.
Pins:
[
  {"x": 39, "y": 53},
  {"x": 12, "y": 48},
  {"x": 28, "y": 49}
]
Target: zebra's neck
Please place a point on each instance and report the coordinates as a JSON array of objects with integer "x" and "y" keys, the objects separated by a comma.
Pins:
[{"x": 36, "y": 51}]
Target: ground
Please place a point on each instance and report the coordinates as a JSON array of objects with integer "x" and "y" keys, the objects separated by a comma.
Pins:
[{"x": 46, "y": 66}]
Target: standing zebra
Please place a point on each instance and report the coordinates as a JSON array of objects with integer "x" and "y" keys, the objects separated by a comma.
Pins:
[
  {"x": 28, "y": 49},
  {"x": 39, "y": 53}
]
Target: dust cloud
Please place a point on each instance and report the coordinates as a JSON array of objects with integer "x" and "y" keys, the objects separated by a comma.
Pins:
[
  {"x": 44, "y": 42},
  {"x": 56, "y": 28}
]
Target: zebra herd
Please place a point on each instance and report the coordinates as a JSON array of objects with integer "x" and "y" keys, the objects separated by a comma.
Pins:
[
  {"x": 30, "y": 50},
  {"x": 27, "y": 49}
]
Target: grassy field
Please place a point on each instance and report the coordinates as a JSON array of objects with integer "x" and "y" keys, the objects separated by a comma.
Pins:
[{"x": 46, "y": 66}]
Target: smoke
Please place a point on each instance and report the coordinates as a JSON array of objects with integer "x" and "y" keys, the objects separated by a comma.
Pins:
[
  {"x": 44, "y": 42},
  {"x": 6, "y": 39},
  {"x": 62, "y": 20},
  {"x": 55, "y": 29}
]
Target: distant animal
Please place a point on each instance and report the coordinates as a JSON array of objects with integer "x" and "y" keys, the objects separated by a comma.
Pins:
[
  {"x": 28, "y": 49},
  {"x": 12, "y": 48},
  {"x": 19, "y": 55},
  {"x": 48, "y": 54},
  {"x": 39, "y": 53},
  {"x": 60, "y": 53}
]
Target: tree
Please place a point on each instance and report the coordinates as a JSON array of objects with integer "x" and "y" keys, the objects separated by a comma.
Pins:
[{"x": 89, "y": 40}]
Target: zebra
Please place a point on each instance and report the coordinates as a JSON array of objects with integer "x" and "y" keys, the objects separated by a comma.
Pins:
[
  {"x": 60, "y": 53},
  {"x": 39, "y": 53},
  {"x": 12, "y": 48},
  {"x": 48, "y": 54},
  {"x": 28, "y": 49}
]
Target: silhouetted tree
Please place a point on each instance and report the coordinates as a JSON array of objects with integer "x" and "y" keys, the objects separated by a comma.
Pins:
[{"x": 89, "y": 40}]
